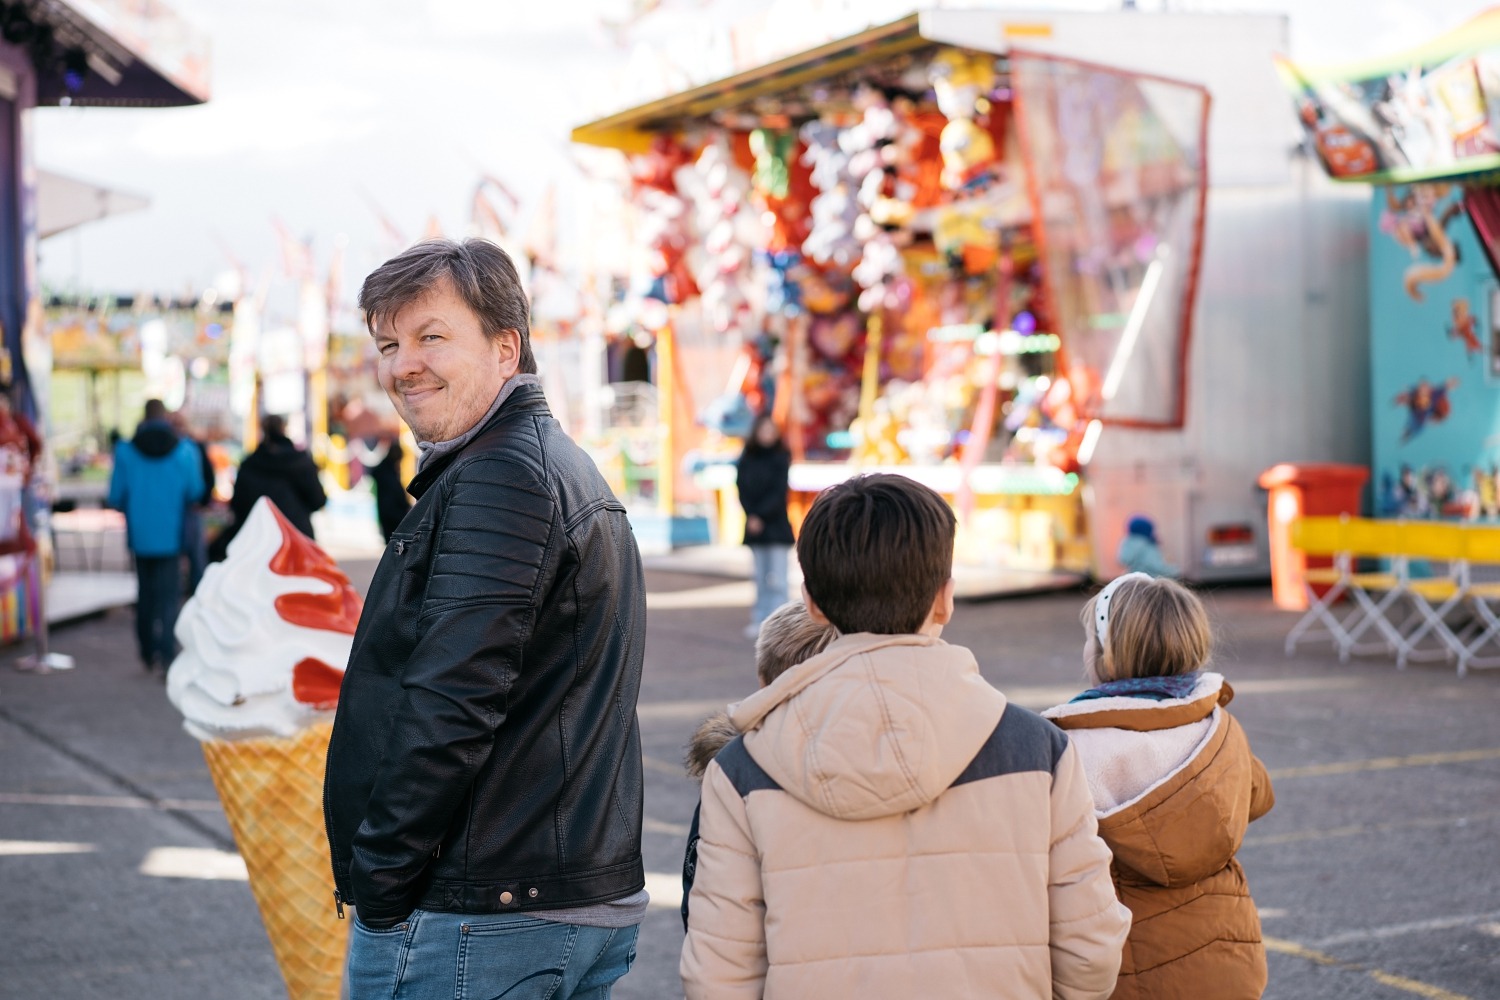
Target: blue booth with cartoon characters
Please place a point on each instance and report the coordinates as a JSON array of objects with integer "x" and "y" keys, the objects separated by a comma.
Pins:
[{"x": 1435, "y": 354}]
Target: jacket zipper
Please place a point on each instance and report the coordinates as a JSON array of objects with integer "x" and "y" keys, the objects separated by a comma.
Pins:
[{"x": 338, "y": 896}]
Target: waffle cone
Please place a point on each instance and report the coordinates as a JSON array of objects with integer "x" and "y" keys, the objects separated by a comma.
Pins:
[{"x": 272, "y": 791}]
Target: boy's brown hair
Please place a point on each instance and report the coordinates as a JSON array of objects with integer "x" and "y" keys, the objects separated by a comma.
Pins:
[
  {"x": 787, "y": 637},
  {"x": 875, "y": 551},
  {"x": 1156, "y": 628}
]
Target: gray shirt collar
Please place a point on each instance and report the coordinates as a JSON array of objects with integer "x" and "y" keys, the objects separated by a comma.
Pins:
[{"x": 429, "y": 450}]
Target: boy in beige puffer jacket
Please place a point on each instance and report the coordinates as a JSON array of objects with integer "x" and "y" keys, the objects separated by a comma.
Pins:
[{"x": 888, "y": 825}]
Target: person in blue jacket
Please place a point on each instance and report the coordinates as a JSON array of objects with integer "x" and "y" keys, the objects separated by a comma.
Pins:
[{"x": 157, "y": 474}]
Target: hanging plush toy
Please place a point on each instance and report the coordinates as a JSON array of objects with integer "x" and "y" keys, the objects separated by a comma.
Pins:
[
  {"x": 725, "y": 227},
  {"x": 961, "y": 81},
  {"x": 834, "y": 211},
  {"x": 663, "y": 231}
]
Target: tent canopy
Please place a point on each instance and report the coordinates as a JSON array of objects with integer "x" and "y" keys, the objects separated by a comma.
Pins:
[
  {"x": 66, "y": 202},
  {"x": 633, "y": 129}
]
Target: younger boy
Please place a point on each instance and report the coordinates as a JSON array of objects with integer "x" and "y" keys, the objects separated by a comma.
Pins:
[
  {"x": 887, "y": 825},
  {"x": 786, "y": 638}
]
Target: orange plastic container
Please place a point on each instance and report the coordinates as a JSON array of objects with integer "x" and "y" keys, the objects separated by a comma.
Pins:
[{"x": 1312, "y": 489}]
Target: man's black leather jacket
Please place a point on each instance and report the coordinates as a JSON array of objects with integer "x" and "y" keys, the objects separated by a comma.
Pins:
[{"x": 486, "y": 755}]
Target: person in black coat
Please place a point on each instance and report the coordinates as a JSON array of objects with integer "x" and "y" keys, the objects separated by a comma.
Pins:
[
  {"x": 280, "y": 470},
  {"x": 762, "y": 473},
  {"x": 381, "y": 457}
]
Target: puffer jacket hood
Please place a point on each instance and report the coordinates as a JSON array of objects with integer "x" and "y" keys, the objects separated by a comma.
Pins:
[
  {"x": 155, "y": 438},
  {"x": 874, "y": 737},
  {"x": 1188, "y": 823}
]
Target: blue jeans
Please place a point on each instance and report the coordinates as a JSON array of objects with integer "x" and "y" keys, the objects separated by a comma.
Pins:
[
  {"x": 770, "y": 580},
  {"x": 158, "y": 583},
  {"x": 194, "y": 545},
  {"x": 465, "y": 956}
]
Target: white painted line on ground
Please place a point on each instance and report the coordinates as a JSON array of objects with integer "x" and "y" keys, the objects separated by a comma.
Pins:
[
  {"x": 1270, "y": 912},
  {"x": 1386, "y": 763},
  {"x": 1401, "y": 930},
  {"x": 1384, "y": 978},
  {"x": 1267, "y": 840},
  {"x": 194, "y": 862},
  {"x": 1493, "y": 930},
  {"x": 665, "y": 890},
  {"x": 719, "y": 595},
  {"x": 650, "y": 825},
  {"x": 18, "y": 848},
  {"x": 680, "y": 711},
  {"x": 108, "y": 802},
  {"x": 651, "y": 763}
]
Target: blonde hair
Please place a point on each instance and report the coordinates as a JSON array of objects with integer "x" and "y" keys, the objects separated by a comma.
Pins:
[
  {"x": 787, "y": 637},
  {"x": 1157, "y": 628}
]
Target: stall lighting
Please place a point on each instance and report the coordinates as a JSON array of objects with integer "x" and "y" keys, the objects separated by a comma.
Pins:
[
  {"x": 957, "y": 332},
  {"x": 1090, "y": 442},
  {"x": 989, "y": 342},
  {"x": 1133, "y": 327},
  {"x": 1012, "y": 342}
]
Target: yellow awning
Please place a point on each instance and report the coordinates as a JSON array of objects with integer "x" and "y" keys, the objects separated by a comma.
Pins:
[{"x": 633, "y": 129}]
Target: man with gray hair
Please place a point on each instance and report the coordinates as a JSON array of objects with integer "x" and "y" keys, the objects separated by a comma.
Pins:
[{"x": 483, "y": 791}]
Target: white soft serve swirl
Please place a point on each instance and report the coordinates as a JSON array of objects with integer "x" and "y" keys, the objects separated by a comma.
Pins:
[{"x": 233, "y": 678}]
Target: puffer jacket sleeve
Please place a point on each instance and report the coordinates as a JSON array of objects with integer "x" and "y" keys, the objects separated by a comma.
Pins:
[
  {"x": 1262, "y": 796},
  {"x": 494, "y": 560},
  {"x": 1089, "y": 925},
  {"x": 724, "y": 955}
]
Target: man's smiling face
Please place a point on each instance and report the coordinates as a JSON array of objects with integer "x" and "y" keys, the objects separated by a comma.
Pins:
[{"x": 439, "y": 366}]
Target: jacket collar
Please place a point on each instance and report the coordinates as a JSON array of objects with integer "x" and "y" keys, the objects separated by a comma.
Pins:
[
  {"x": 526, "y": 399},
  {"x": 1211, "y": 691}
]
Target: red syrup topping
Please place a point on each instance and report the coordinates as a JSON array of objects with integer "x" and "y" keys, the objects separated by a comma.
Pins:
[
  {"x": 300, "y": 556},
  {"x": 315, "y": 683}
]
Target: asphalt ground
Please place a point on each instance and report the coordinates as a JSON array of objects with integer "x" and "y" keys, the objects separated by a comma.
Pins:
[{"x": 1376, "y": 873}]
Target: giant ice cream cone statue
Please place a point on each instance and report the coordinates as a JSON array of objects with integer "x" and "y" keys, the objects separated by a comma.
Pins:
[{"x": 264, "y": 644}]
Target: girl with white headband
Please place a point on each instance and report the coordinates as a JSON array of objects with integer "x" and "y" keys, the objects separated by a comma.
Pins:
[{"x": 1174, "y": 785}]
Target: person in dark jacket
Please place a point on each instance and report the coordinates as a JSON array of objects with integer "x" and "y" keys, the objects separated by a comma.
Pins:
[
  {"x": 762, "y": 473},
  {"x": 194, "y": 542},
  {"x": 156, "y": 476},
  {"x": 278, "y": 469},
  {"x": 381, "y": 458},
  {"x": 484, "y": 773}
]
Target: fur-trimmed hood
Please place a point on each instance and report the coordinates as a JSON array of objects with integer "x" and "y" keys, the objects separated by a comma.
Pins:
[
  {"x": 1174, "y": 782},
  {"x": 711, "y": 736}
]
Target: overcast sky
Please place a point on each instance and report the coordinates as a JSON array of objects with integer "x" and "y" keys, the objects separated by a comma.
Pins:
[{"x": 320, "y": 107}]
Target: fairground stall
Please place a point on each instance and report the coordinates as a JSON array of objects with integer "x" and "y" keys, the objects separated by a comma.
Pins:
[
  {"x": 1424, "y": 126},
  {"x": 981, "y": 248},
  {"x": 104, "y": 53}
]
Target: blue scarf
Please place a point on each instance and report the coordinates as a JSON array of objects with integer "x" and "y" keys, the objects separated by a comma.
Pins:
[{"x": 1150, "y": 688}]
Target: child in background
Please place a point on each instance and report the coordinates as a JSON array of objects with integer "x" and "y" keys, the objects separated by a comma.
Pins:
[
  {"x": 887, "y": 825},
  {"x": 787, "y": 637},
  {"x": 1140, "y": 552},
  {"x": 1174, "y": 786}
]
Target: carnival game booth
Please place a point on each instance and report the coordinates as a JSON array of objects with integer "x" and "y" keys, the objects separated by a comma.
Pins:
[{"x": 969, "y": 246}]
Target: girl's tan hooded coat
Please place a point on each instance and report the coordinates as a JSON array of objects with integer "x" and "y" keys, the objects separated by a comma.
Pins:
[
  {"x": 889, "y": 827},
  {"x": 1177, "y": 786}
]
